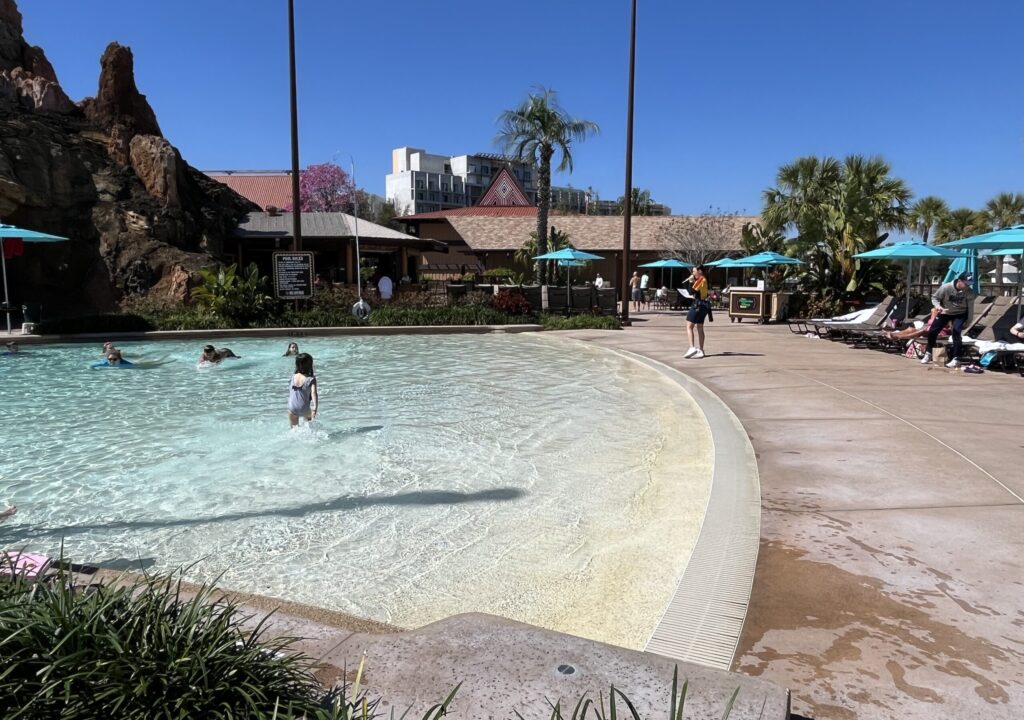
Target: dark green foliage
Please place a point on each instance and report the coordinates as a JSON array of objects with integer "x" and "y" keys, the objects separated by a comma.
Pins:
[
  {"x": 111, "y": 322},
  {"x": 142, "y": 650},
  {"x": 237, "y": 297}
]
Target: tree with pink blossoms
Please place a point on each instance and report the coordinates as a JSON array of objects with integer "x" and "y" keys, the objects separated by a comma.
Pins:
[{"x": 325, "y": 188}]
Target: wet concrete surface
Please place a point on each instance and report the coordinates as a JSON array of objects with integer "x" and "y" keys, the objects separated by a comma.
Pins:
[{"x": 890, "y": 579}]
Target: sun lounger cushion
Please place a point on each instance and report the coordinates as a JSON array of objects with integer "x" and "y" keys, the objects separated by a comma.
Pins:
[{"x": 23, "y": 564}]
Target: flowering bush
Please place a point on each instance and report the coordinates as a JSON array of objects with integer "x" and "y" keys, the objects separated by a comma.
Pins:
[{"x": 511, "y": 302}]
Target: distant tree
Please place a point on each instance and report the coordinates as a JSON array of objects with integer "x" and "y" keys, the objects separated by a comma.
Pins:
[
  {"x": 533, "y": 133},
  {"x": 1004, "y": 210},
  {"x": 699, "y": 239},
  {"x": 961, "y": 223},
  {"x": 924, "y": 218},
  {"x": 593, "y": 197},
  {"x": 557, "y": 240},
  {"x": 640, "y": 203},
  {"x": 325, "y": 188}
]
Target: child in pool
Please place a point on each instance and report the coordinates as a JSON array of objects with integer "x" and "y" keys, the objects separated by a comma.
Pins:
[
  {"x": 303, "y": 400},
  {"x": 293, "y": 349}
]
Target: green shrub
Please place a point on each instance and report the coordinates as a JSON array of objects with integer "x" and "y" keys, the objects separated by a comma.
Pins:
[
  {"x": 239, "y": 298},
  {"x": 586, "y": 321},
  {"x": 142, "y": 650},
  {"x": 107, "y": 323}
]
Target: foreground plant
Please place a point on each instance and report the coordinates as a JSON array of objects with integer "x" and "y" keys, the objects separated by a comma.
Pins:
[{"x": 146, "y": 649}]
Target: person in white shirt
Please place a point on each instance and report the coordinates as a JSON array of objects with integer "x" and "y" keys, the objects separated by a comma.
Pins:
[
  {"x": 385, "y": 288},
  {"x": 599, "y": 283},
  {"x": 644, "y": 280}
]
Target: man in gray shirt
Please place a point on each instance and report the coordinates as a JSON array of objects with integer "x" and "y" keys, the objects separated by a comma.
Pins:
[{"x": 953, "y": 299}]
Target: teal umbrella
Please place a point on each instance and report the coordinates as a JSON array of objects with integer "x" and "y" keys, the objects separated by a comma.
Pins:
[
  {"x": 568, "y": 254},
  {"x": 10, "y": 231},
  {"x": 1011, "y": 237},
  {"x": 670, "y": 263},
  {"x": 768, "y": 258},
  {"x": 962, "y": 264},
  {"x": 909, "y": 251}
]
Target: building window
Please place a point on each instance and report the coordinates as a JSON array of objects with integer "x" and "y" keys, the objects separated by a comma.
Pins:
[
  {"x": 419, "y": 184},
  {"x": 447, "y": 169},
  {"x": 419, "y": 196}
]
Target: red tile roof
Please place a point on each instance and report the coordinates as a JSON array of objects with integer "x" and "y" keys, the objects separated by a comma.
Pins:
[
  {"x": 264, "y": 189},
  {"x": 477, "y": 211}
]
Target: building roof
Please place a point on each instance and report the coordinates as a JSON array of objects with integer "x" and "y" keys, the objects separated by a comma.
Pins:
[
  {"x": 476, "y": 210},
  {"x": 588, "y": 232},
  {"x": 331, "y": 225},
  {"x": 504, "y": 191},
  {"x": 266, "y": 189}
]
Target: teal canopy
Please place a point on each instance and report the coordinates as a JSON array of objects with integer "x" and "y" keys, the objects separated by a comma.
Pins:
[
  {"x": 1011, "y": 237},
  {"x": 568, "y": 254},
  {"x": 667, "y": 263},
  {"x": 909, "y": 251},
  {"x": 768, "y": 258},
  {"x": 33, "y": 236}
]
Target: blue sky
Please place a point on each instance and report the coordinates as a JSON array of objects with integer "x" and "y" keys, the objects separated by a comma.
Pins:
[{"x": 726, "y": 92}]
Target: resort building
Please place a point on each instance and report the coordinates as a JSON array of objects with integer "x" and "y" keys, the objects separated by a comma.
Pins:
[
  {"x": 488, "y": 235},
  {"x": 421, "y": 182},
  {"x": 266, "y": 188}
]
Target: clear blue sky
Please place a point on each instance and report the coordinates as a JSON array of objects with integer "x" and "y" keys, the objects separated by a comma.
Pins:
[{"x": 726, "y": 91}]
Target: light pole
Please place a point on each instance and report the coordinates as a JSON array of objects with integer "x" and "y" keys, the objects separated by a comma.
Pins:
[
  {"x": 296, "y": 209},
  {"x": 361, "y": 309},
  {"x": 627, "y": 205}
]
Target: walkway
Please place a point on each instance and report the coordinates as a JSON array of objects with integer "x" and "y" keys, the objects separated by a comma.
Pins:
[{"x": 890, "y": 580}]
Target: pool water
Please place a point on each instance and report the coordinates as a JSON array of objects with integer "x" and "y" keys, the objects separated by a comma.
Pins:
[{"x": 541, "y": 480}]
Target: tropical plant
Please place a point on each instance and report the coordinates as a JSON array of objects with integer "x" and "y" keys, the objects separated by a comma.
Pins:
[
  {"x": 1004, "y": 210},
  {"x": 961, "y": 223},
  {"x": 640, "y": 202},
  {"x": 533, "y": 133},
  {"x": 755, "y": 238},
  {"x": 557, "y": 240},
  {"x": 924, "y": 218},
  {"x": 239, "y": 298},
  {"x": 837, "y": 209}
]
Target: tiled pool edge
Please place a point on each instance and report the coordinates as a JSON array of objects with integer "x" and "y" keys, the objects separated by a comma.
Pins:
[{"x": 704, "y": 618}]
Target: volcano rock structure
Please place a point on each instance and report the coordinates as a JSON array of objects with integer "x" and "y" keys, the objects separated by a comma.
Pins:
[{"x": 99, "y": 172}]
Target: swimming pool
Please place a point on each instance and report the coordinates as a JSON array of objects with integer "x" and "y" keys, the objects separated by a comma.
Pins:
[{"x": 524, "y": 476}]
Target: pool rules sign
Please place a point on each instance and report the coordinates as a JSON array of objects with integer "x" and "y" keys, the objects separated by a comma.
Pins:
[{"x": 293, "y": 275}]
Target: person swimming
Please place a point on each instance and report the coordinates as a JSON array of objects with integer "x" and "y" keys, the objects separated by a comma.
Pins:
[
  {"x": 214, "y": 355},
  {"x": 293, "y": 349},
  {"x": 12, "y": 349},
  {"x": 115, "y": 359}
]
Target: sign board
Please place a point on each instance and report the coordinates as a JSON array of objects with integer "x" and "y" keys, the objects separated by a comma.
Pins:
[
  {"x": 746, "y": 304},
  {"x": 293, "y": 275}
]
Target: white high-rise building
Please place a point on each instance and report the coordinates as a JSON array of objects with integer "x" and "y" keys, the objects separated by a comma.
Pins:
[{"x": 420, "y": 182}]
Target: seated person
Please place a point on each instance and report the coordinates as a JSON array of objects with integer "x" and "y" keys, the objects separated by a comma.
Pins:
[
  {"x": 293, "y": 349},
  {"x": 918, "y": 329},
  {"x": 385, "y": 288},
  {"x": 215, "y": 355},
  {"x": 1017, "y": 332}
]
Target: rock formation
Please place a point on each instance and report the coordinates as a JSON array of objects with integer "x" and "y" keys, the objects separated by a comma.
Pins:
[{"x": 99, "y": 172}]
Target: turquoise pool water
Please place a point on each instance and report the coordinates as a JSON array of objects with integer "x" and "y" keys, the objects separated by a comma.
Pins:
[{"x": 538, "y": 479}]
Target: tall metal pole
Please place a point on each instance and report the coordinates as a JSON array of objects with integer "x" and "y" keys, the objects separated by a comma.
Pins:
[
  {"x": 296, "y": 210},
  {"x": 627, "y": 205},
  {"x": 355, "y": 216},
  {"x": 7, "y": 299}
]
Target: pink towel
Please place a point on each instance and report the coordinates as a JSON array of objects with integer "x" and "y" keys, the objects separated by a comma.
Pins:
[{"x": 29, "y": 565}]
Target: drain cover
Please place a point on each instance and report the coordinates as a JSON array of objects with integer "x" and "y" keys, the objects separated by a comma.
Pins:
[{"x": 566, "y": 669}]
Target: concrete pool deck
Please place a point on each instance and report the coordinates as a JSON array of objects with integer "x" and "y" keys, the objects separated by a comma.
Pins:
[{"x": 891, "y": 569}]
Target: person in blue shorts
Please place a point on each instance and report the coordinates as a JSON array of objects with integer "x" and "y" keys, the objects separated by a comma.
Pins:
[{"x": 698, "y": 313}]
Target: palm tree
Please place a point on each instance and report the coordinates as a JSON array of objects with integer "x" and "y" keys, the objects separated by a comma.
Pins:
[
  {"x": 1004, "y": 210},
  {"x": 533, "y": 133},
  {"x": 961, "y": 223},
  {"x": 925, "y": 216},
  {"x": 838, "y": 210},
  {"x": 640, "y": 202}
]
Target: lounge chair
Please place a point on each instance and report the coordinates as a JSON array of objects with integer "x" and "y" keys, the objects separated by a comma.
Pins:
[
  {"x": 24, "y": 565},
  {"x": 874, "y": 321},
  {"x": 804, "y": 326},
  {"x": 983, "y": 309},
  {"x": 993, "y": 333}
]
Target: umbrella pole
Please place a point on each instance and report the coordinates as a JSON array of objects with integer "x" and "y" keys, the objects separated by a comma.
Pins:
[
  {"x": 568, "y": 291},
  {"x": 7, "y": 300},
  {"x": 1020, "y": 281},
  {"x": 910, "y": 272}
]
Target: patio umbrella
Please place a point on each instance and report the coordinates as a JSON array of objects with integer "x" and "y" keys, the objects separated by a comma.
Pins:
[
  {"x": 568, "y": 254},
  {"x": 909, "y": 251},
  {"x": 670, "y": 263},
  {"x": 10, "y": 231},
  {"x": 967, "y": 262},
  {"x": 768, "y": 258},
  {"x": 1006, "y": 238}
]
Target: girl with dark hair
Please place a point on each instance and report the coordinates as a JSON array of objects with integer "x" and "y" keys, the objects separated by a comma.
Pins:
[
  {"x": 698, "y": 313},
  {"x": 303, "y": 400}
]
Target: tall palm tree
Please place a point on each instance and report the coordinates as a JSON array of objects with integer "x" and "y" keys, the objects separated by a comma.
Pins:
[
  {"x": 1005, "y": 210},
  {"x": 533, "y": 133},
  {"x": 924, "y": 218}
]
